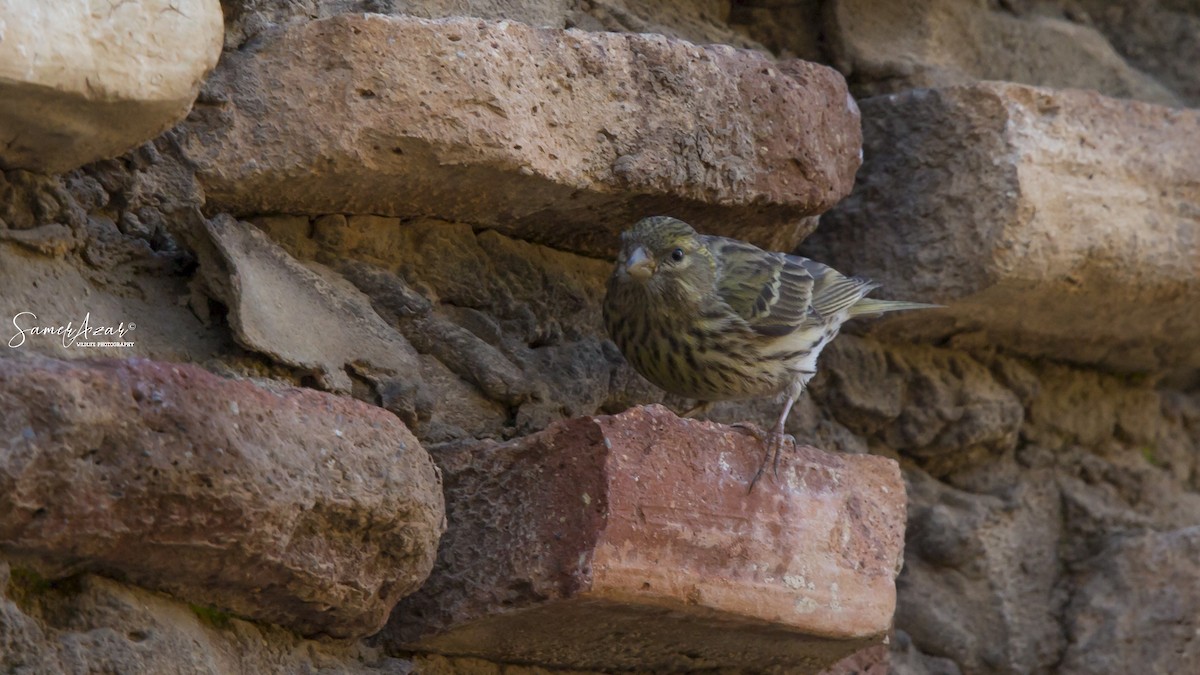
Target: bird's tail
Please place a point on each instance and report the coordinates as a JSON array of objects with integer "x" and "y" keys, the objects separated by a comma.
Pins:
[{"x": 876, "y": 306}]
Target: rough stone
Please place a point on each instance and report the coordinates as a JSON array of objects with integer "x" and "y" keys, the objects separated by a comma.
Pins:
[
  {"x": 630, "y": 542},
  {"x": 80, "y": 82},
  {"x": 67, "y": 254},
  {"x": 508, "y": 331},
  {"x": 1038, "y": 216},
  {"x": 1052, "y": 504},
  {"x": 887, "y": 47},
  {"x": 789, "y": 28},
  {"x": 436, "y": 664},
  {"x": 305, "y": 317},
  {"x": 1139, "y": 593},
  {"x": 980, "y": 576},
  {"x": 290, "y": 506},
  {"x": 906, "y": 659},
  {"x": 62, "y": 291},
  {"x": 89, "y": 624},
  {"x": 562, "y": 137},
  {"x": 1161, "y": 38},
  {"x": 697, "y": 21},
  {"x": 870, "y": 661},
  {"x": 941, "y": 408},
  {"x": 998, "y": 549}
]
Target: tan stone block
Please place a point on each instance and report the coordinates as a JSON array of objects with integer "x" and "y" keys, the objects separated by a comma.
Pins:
[
  {"x": 1057, "y": 224},
  {"x": 563, "y": 137},
  {"x": 892, "y": 46}
]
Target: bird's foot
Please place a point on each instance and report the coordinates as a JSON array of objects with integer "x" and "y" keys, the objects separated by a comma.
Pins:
[
  {"x": 774, "y": 442},
  {"x": 697, "y": 410}
]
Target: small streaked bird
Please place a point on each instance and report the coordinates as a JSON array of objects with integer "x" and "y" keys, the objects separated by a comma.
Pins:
[{"x": 715, "y": 319}]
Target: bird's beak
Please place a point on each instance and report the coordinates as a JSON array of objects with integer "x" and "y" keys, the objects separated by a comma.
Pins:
[{"x": 639, "y": 265}]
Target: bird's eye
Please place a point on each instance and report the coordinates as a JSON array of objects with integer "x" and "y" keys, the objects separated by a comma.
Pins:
[{"x": 677, "y": 255}]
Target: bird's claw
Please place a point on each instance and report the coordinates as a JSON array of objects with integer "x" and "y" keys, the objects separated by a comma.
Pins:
[{"x": 773, "y": 442}]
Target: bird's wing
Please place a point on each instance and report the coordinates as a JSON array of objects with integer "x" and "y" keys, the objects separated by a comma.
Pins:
[
  {"x": 771, "y": 291},
  {"x": 834, "y": 292}
]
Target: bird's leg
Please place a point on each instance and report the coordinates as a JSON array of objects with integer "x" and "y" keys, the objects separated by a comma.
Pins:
[
  {"x": 773, "y": 441},
  {"x": 700, "y": 408},
  {"x": 777, "y": 435}
]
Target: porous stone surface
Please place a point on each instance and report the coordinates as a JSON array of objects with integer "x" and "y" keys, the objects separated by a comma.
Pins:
[
  {"x": 436, "y": 664},
  {"x": 101, "y": 243},
  {"x": 869, "y": 661},
  {"x": 886, "y": 47},
  {"x": 506, "y": 331},
  {"x": 1120, "y": 451},
  {"x": 1160, "y": 37},
  {"x": 697, "y": 21},
  {"x": 562, "y": 137},
  {"x": 293, "y": 314},
  {"x": 89, "y": 624},
  {"x": 788, "y": 28},
  {"x": 1014, "y": 550},
  {"x": 86, "y": 81},
  {"x": 632, "y": 541},
  {"x": 1052, "y": 473},
  {"x": 290, "y": 506},
  {"x": 1155, "y": 572},
  {"x": 1037, "y": 215},
  {"x": 1051, "y": 503}
]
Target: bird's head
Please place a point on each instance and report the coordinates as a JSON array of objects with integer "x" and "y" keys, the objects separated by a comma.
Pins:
[{"x": 662, "y": 251}]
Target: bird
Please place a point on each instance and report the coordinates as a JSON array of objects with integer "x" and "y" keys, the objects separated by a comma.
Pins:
[{"x": 713, "y": 319}]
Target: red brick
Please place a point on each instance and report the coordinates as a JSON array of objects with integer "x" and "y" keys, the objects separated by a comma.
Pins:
[{"x": 630, "y": 541}]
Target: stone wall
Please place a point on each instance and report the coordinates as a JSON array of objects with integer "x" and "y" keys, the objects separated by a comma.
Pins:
[{"x": 367, "y": 419}]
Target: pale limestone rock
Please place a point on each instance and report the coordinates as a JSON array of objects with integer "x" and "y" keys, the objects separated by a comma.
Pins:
[{"x": 81, "y": 81}]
